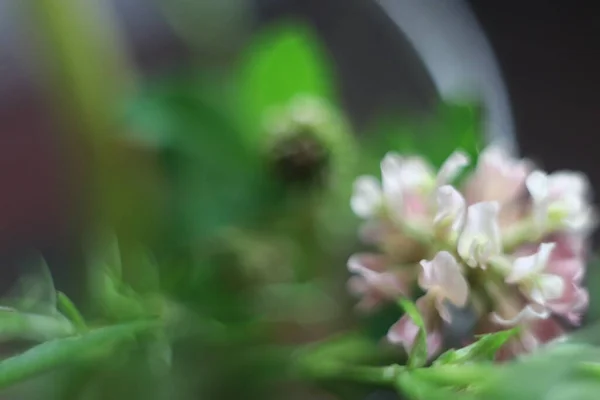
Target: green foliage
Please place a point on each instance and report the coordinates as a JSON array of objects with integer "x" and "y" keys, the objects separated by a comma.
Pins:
[
  {"x": 71, "y": 312},
  {"x": 59, "y": 352},
  {"x": 453, "y": 126},
  {"x": 282, "y": 62},
  {"x": 484, "y": 349},
  {"x": 552, "y": 373}
]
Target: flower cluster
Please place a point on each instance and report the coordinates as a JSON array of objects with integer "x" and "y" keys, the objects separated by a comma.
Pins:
[{"x": 510, "y": 245}]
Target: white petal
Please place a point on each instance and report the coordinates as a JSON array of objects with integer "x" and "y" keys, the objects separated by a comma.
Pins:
[
  {"x": 527, "y": 314},
  {"x": 480, "y": 237},
  {"x": 528, "y": 266},
  {"x": 404, "y": 176},
  {"x": 451, "y": 207},
  {"x": 416, "y": 171},
  {"x": 443, "y": 274},
  {"x": 452, "y": 167},
  {"x": 538, "y": 186},
  {"x": 551, "y": 286},
  {"x": 391, "y": 173},
  {"x": 569, "y": 182},
  {"x": 366, "y": 197}
]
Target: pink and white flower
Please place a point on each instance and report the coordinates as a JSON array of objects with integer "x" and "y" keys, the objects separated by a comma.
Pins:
[{"x": 535, "y": 246}]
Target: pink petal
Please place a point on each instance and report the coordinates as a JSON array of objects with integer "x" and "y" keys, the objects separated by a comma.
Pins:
[
  {"x": 367, "y": 263},
  {"x": 572, "y": 304},
  {"x": 498, "y": 177},
  {"x": 404, "y": 332},
  {"x": 373, "y": 281}
]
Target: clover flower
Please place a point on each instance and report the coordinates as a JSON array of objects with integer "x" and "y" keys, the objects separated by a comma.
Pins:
[{"x": 509, "y": 243}]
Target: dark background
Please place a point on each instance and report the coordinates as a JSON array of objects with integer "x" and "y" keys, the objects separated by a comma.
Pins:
[{"x": 549, "y": 54}]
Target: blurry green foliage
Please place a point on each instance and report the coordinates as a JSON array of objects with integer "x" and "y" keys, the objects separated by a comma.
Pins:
[
  {"x": 282, "y": 62},
  {"x": 484, "y": 349},
  {"x": 453, "y": 126},
  {"x": 552, "y": 373}
]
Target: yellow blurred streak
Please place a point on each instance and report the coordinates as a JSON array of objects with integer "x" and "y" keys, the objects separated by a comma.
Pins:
[{"x": 87, "y": 73}]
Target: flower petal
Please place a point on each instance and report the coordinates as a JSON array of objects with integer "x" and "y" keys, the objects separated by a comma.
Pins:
[
  {"x": 452, "y": 167},
  {"x": 451, "y": 208},
  {"x": 498, "y": 177},
  {"x": 391, "y": 174},
  {"x": 404, "y": 332},
  {"x": 366, "y": 197},
  {"x": 444, "y": 278},
  {"x": 377, "y": 279},
  {"x": 530, "y": 312},
  {"x": 538, "y": 186},
  {"x": 416, "y": 174},
  {"x": 551, "y": 286},
  {"x": 569, "y": 182},
  {"x": 480, "y": 237},
  {"x": 528, "y": 266}
]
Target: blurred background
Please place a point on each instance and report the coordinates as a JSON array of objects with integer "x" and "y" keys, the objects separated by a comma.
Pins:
[
  {"x": 533, "y": 65},
  {"x": 543, "y": 86}
]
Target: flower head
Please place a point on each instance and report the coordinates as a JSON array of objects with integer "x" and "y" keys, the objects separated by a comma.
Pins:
[{"x": 515, "y": 260}]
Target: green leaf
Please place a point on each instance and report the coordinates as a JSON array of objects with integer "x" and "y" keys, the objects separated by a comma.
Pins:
[
  {"x": 60, "y": 352},
  {"x": 34, "y": 327},
  {"x": 456, "y": 126},
  {"x": 214, "y": 177},
  {"x": 484, "y": 349},
  {"x": 453, "y": 126},
  {"x": 418, "y": 355},
  {"x": 282, "y": 62},
  {"x": 71, "y": 312},
  {"x": 552, "y": 372}
]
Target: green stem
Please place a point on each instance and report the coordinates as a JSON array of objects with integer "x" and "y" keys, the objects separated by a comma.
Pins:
[
  {"x": 591, "y": 369},
  {"x": 379, "y": 376},
  {"x": 71, "y": 311},
  {"x": 522, "y": 232},
  {"x": 60, "y": 352},
  {"x": 456, "y": 375}
]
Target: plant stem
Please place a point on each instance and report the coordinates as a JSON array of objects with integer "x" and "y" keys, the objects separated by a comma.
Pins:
[
  {"x": 590, "y": 368},
  {"x": 455, "y": 375},
  {"x": 380, "y": 376},
  {"x": 524, "y": 231}
]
